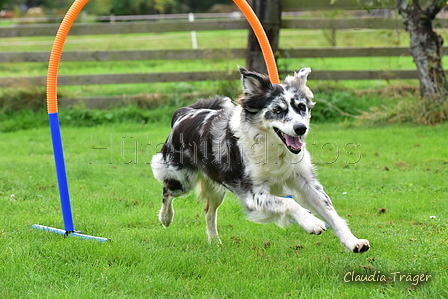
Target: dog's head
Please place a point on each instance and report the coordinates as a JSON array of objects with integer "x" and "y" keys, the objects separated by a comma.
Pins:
[{"x": 281, "y": 109}]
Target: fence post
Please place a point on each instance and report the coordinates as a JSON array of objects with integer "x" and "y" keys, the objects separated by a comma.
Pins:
[{"x": 194, "y": 39}]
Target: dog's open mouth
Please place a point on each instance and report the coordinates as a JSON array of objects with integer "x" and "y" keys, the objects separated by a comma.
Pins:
[{"x": 293, "y": 144}]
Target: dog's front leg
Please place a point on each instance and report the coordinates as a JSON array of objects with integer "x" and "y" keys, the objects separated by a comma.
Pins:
[
  {"x": 262, "y": 207},
  {"x": 313, "y": 192}
]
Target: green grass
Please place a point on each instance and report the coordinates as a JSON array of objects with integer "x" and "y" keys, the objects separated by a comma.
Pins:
[
  {"x": 385, "y": 181},
  {"x": 100, "y": 67},
  {"x": 289, "y": 38}
]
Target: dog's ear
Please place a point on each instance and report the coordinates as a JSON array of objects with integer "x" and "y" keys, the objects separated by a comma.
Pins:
[
  {"x": 300, "y": 78},
  {"x": 303, "y": 75},
  {"x": 298, "y": 81},
  {"x": 253, "y": 82}
]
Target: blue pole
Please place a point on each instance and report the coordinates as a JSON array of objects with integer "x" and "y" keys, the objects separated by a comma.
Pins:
[{"x": 61, "y": 173}]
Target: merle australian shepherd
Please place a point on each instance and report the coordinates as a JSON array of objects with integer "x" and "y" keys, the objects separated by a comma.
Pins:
[{"x": 256, "y": 149}]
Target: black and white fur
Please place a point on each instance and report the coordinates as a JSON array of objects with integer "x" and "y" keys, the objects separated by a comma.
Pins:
[{"x": 254, "y": 148}]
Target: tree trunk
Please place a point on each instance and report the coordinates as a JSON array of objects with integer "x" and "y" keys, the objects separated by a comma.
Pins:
[
  {"x": 425, "y": 46},
  {"x": 269, "y": 12}
]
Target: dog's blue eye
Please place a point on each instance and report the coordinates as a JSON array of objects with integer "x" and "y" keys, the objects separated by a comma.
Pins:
[
  {"x": 302, "y": 107},
  {"x": 278, "y": 110}
]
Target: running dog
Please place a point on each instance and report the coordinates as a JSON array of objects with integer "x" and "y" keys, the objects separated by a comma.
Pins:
[{"x": 256, "y": 149}]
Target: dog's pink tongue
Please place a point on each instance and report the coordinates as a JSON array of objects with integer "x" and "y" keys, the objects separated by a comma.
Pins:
[{"x": 293, "y": 141}]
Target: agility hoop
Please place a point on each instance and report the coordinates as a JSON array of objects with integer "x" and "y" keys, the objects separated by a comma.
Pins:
[{"x": 52, "y": 105}]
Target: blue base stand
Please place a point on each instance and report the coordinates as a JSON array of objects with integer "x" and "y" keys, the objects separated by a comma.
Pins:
[
  {"x": 69, "y": 228},
  {"x": 69, "y": 234}
]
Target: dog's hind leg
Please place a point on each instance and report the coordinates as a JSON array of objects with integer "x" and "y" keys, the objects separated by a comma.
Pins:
[
  {"x": 214, "y": 196},
  {"x": 176, "y": 182},
  {"x": 166, "y": 213},
  {"x": 173, "y": 188}
]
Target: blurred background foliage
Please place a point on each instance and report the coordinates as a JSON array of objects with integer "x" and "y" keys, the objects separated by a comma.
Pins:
[{"x": 121, "y": 7}]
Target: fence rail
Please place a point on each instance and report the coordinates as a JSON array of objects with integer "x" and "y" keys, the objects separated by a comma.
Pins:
[
  {"x": 202, "y": 25},
  {"x": 160, "y": 17},
  {"x": 323, "y": 52},
  {"x": 328, "y": 52},
  {"x": 67, "y": 80}
]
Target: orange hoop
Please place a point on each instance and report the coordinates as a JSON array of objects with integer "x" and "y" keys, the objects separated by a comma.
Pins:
[
  {"x": 262, "y": 39},
  {"x": 56, "y": 52},
  {"x": 75, "y": 9}
]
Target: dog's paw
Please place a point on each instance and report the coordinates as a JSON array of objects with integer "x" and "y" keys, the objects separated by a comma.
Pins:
[
  {"x": 166, "y": 217},
  {"x": 360, "y": 246},
  {"x": 311, "y": 224},
  {"x": 318, "y": 228},
  {"x": 215, "y": 241}
]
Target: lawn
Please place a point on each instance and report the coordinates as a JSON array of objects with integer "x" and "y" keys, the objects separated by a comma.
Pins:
[
  {"x": 289, "y": 38},
  {"x": 388, "y": 182}
]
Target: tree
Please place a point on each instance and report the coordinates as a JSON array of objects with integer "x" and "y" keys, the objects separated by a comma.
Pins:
[
  {"x": 2, "y": 3},
  {"x": 425, "y": 46},
  {"x": 270, "y": 14}
]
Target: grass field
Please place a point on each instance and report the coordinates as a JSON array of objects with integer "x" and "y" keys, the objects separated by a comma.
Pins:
[
  {"x": 289, "y": 38},
  {"x": 387, "y": 182}
]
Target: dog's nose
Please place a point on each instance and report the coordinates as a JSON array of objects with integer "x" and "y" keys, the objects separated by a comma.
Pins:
[{"x": 300, "y": 129}]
